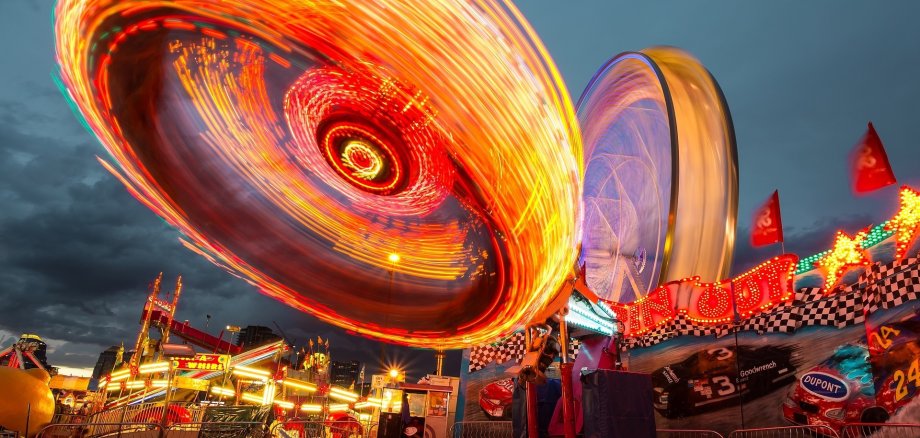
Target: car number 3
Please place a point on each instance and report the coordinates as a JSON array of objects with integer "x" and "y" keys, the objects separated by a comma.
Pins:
[
  {"x": 720, "y": 353},
  {"x": 726, "y": 386}
]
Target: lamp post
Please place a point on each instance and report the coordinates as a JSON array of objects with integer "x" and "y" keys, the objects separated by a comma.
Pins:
[
  {"x": 439, "y": 361},
  {"x": 233, "y": 329},
  {"x": 393, "y": 258}
]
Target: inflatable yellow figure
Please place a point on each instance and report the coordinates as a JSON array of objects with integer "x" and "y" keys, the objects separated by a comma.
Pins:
[{"x": 25, "y": 393}]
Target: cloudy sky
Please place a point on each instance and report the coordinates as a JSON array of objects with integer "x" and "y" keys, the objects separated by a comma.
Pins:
[{"x": 801, "y": 79}]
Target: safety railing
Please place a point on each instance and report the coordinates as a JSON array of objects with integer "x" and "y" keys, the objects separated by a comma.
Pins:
[
  {"x": 68, "y": 418},
  {"x": 786, "y": 432},
  {"x": 481, "y": 429},
  {"x": 197, "y": 413},
  {"x": 879, "y": 430},
  {"x": 146, "y": 413},
  {"x": 85, "y": 430},
  {"x": 687, "y": 433},
  {"x": 217, "y": 429},
  {"x": 320, "y": 429}
]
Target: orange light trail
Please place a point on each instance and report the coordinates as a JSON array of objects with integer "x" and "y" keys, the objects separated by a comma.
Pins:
[{"x": 300, "y": 145}]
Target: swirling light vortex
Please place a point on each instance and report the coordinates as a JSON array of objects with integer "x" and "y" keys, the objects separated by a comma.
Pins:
[{"x": 301, "y": 144}]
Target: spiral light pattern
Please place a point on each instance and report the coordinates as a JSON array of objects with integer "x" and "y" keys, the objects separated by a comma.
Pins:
[
  {"x": 661, "y": 174},
  {"x": 626, "y": 131},
  {"x": 301, "y": 144}
]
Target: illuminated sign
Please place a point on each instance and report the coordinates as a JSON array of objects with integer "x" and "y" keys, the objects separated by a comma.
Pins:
[
  {"x": 203, "y": 362},
  {"x": 190, "y": 383},
  {"x": 758, "y": 290}
]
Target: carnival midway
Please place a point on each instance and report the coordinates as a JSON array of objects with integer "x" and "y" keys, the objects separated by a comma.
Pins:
[{"x": 415, "y": 172}]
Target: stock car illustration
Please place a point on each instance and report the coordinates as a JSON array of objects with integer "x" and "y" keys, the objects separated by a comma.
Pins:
[
  {"x": 495, "y": 399},
  {"x": 854, "y": 386},
  {"x": 706, "y": 379}
]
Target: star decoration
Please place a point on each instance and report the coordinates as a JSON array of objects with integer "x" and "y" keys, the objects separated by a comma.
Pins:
[
  {"x": 906, "y": 223},
  {"x": 846, "y": 254}
]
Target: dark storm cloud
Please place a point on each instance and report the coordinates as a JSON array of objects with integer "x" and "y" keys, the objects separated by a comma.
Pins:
[{"x": 76, "y": 249}]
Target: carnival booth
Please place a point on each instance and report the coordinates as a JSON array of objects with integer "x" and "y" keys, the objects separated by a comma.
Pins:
[{"x": 423, "y": 412}]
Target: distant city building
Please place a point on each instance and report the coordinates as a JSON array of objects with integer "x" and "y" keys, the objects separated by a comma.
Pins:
[
  {"x": 366, "y": 388},
  {"x": 107, "y": 361},
  {"x": 254, "y": 336},
  {"x": 344, "y": 374}
]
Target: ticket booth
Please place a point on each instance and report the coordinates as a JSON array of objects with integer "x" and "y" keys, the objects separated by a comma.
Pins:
[
  {"x": 423, "y": 412},
  {"x": 431, "y": 405}
]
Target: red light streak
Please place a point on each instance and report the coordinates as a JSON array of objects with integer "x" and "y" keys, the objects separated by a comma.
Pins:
[{"x": 464, "y": 161}]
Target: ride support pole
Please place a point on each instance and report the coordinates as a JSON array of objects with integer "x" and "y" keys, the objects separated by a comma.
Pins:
[
  {"x": 439, "y": 358},
  {"x": 530, "y": 390},
  {"x": 565, "y": 369},
  {"x": 568, "y": 399},
  {"x": 28, "y": 417},
  {"x": 532, "y": 425}
]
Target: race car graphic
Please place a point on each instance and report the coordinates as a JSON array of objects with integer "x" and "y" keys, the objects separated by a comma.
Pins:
[
  {"x": 858, "y": 383},
  {"x": 708, "y": 380},
  {"x": 495, "y": 399}
]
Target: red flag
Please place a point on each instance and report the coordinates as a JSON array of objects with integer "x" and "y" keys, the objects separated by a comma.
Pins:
[
  {"x": 768, "y": 223},
  {"x": 869, "y": 164}
]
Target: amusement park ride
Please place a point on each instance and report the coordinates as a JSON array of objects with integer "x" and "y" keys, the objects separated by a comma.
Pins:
[
  {"x": 225, "y": 374},
  {"x": 410, "y": 171},
  {"x": 259, "y": 381},
  {"x": 25, "y": 376}
]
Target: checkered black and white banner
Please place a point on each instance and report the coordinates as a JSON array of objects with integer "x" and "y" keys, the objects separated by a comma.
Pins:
[
  {"x": 785, "y": 319},
  {"x": 512, "y": 348},
  {"x": 850, "y": 309},
  {"x": 883, "y": 285},
  {"x": 683, "y": 326},
  {"x": 807, "y": 294},
  {"x": 821, "y": 312},
  {"x": 900, "y": 287}
]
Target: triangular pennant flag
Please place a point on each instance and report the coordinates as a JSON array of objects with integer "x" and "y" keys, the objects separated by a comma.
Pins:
[
  {"x": 869, "y": 166},
  {"x": 768, "y": 223}
]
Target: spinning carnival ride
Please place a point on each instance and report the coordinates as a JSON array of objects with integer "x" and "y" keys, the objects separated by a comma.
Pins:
[
  {"x": 661, "y": 179},
  {"x": 408, "y": 170}
]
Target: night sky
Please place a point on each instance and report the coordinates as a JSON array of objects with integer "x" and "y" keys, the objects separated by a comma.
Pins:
[{"x": 801, "y": 79}]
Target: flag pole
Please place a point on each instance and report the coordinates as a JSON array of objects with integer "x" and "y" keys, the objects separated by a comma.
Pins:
[{"x": 736, "y": 323}]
